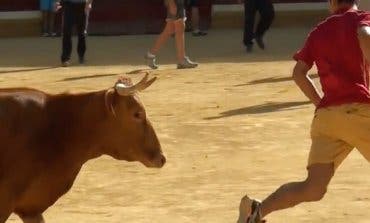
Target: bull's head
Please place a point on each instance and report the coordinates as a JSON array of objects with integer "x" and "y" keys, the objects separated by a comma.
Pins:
[{"x": 132, "y": 137}]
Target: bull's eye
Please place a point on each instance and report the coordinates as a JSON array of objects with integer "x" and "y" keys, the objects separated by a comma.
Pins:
[{"x": 139, "y": 115}]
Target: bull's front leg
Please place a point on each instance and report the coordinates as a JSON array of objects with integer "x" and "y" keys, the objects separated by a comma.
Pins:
[{"x": 33, "y": 219}]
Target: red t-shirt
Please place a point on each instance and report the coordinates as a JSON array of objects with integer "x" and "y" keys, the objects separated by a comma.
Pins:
[{"x": 334, "y": 47}]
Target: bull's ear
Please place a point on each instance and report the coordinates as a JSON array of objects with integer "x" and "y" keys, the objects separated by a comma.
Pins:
[{"x": 109, "y": 101}]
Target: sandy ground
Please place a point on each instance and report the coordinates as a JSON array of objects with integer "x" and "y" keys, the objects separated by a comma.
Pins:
[{"x": 236, "y": 125}]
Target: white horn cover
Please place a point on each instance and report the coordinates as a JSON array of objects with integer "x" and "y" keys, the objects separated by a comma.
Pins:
[{"x": 124, "y": 86}]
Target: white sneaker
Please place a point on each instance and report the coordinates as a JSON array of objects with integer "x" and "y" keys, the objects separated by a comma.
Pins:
[
  {"x": 187, "y": 64},
  {"x": 151, "y": 60},
  {"x": 249, "y": 211}
]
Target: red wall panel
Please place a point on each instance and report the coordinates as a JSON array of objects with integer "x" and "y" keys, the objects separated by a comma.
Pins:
[{"x": 19, "y": 5}]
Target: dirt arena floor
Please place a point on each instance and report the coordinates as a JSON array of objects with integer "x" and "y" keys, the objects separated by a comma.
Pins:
[{"x": 235, "y": 125}]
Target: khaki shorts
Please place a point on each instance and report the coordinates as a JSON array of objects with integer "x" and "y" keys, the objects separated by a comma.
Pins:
[{"x": 337, "y": 130}]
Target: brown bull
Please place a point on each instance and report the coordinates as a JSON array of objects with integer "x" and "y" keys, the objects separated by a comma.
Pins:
[{"x": 45, "y": 139}]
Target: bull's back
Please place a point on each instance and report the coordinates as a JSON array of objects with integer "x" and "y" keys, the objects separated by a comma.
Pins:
[{"x": 21, "y": 113}]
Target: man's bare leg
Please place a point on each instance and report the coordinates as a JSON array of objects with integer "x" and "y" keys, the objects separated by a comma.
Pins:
[
  {"x": 312, "y": 189},
  {"x": 180, "y": 39},
  {"x": 292, "y": 194},
  {"x": 163, "y": 37}
]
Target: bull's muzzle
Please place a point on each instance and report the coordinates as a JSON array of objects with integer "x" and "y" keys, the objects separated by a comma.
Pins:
[{"x": 158, "y": 161}]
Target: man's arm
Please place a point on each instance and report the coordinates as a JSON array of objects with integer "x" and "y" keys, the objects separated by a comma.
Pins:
[
  {"x": 88, "y": 6},
  {"x": 364, "y": 39},
  {"x": 305, "y": 83}
]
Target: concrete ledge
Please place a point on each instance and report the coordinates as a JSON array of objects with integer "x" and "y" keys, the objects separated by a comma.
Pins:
[
  {"x": 17, "y": 27},
  {"x": 20, "y": 23},
  {"x": 19, "y": 15}
]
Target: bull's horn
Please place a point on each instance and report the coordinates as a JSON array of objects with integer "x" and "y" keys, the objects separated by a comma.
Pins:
[{"x": 125, "y": 90}]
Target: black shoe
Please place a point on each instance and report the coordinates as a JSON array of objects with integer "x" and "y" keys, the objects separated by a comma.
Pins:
[
  {"x": 260, "y": 42},
  {"x": 197, "y": 33},
  {"x": 249, "y": 48},
  {"x": 65, "y": 63},
  {"x": 81, "y": 60},
  {"x": 255, "y": 216}
]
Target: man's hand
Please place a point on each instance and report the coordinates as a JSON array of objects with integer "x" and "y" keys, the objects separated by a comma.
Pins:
[
  {"x": 88, "y": 7},
  {"x": 57, "y": 6}
]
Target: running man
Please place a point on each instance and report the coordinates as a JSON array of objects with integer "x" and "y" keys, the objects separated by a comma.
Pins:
[
  {"x": 340, "y": 48},
  {"x": 175, "y": 24}
]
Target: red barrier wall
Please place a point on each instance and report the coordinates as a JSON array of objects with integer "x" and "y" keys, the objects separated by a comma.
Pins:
[{"x": 21, "y": 5}]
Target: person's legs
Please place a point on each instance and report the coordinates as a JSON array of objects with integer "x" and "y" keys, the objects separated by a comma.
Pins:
[
  {"x": 267, "y": 12},
  {"x": 183, "y": 62},
  {"x": 292, "y": 194},
  {"x": 68, "y": 21},
  {"x": 168, "y": 30},
  {"x": 195, "y": 18},
  {"x": 249, "y": 19},
  {"x": 51, "y": 18},
  {"x": 150, "y": 57},
  {"x": 44, "y": 23},
  {"x": 180, "y": 39},
  {"x": 81, "y": 20},
  {"x": 289, "y": 195},
  {"x": 327, "y": 153}
]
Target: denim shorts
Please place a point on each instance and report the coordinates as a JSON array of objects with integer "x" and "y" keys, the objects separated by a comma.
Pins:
[
  {"x": 47, "y": 5},
  {"x": 180, "y": 14}
]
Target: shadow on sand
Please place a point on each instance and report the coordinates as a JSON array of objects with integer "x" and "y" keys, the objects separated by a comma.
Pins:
[
  {"x": 26, "y": 70},
  {"x": 138, "y": 71},
  {"x": 259, "y": 109},
  {"x": 87, "y": 77},
  {"x": 271, "y": 80}
]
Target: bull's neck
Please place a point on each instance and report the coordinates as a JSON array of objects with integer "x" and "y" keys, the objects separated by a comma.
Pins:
[{"x": 79, "y": 118}]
